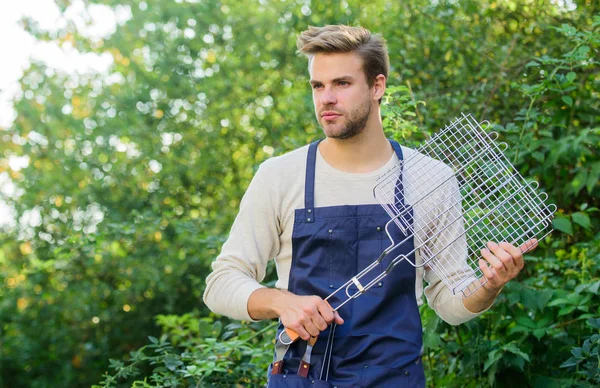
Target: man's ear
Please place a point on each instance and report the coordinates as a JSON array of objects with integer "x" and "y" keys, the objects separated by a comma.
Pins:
[{"x": 379, "y": 87}]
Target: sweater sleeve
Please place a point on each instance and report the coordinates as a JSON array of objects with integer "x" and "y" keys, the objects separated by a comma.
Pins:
[
  {"x": 252, "y": 242},
  {"x": 448, "y": 244}
]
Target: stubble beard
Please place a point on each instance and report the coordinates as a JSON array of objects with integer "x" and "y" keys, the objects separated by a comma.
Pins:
[{"x": 357, "y": 120}]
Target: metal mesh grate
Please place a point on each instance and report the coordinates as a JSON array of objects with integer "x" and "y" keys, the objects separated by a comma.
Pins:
[{"x": 464, "y": 193}]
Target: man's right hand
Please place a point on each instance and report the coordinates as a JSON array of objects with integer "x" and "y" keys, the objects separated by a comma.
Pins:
[{"x": 306, "y": 315}]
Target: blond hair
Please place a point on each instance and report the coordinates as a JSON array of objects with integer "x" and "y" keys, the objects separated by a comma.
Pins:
[{"x": 345, "y": 39}]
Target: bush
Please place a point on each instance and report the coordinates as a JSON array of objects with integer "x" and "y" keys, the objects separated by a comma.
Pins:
[{"x": 198, "y": 351}]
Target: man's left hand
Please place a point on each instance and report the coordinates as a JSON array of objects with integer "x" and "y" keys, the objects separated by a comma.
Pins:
[{"x": 503, "y": 262}]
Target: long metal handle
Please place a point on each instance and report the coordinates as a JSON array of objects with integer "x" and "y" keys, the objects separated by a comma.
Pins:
[{"x": 289, "y": 336}]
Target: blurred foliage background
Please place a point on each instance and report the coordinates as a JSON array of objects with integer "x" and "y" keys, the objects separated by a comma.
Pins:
[{"x": 134, "y": 178}]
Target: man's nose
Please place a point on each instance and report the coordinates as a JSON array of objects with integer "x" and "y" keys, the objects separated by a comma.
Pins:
[{"x": 328, "y": 97}]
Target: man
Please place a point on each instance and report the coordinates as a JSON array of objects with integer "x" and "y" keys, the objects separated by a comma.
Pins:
[{"x": 313, "y": 211}]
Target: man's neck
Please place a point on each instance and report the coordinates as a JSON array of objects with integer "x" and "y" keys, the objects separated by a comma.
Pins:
[{"x": 366, "y": 152}]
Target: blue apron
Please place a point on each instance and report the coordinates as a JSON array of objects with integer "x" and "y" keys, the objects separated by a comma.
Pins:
[{"x": 380, "y": 342}]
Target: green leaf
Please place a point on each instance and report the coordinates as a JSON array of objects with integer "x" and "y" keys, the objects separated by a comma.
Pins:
[
  {"x": 217, "y": 327},
  {"x": 566, "y": 310},
  {"x": 581, "y": 287},
  {"x": 574, "y": 299},
  {"x": 493, "y": 357},
  {"x": 532, "y": 64},
  {"x": 582, "y": 219},
  {"x": 526, "y": 322},
  {"x": 583, "y": 50},
  {"x": 557, "y": 302},
  {"x": 567, "y": 29},
  {"x": 587, "y": 347},
  {"x": 579, "y": 181},
  {"x": 563, "y": 224},
  {"x": 567, "y": 100},
  {"x": 594, "y": 322},
  {"x": 536, "y": 299},
  {"x": 571, "y": 76},
  {"x": 172, "y": 362},
  {"x": 593, "y": 177},
  {"x": 512, "y": 348},
  {"x": 452, "y": 347},
  {"x": 518, "y": 362},
  {"x": 539, "y": 333},
  {"x": 543, "y": 322},
  {"x": 432, "y": 340},
  {"x": 570, "y": 362},
  {"x": 539, "y": 156}
]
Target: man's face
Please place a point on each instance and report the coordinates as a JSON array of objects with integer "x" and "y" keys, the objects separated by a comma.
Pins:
[{"x": 341, "y": 94}]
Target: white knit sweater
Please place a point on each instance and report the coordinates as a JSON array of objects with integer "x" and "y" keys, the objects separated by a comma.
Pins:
[{"x": 262, "y": 231}]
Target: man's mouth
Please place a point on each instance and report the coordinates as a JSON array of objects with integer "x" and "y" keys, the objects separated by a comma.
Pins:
[{"x": 329, "y": 115}]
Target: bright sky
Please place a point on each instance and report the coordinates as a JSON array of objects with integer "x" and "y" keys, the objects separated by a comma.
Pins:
[{"x": 17, "y": 47}]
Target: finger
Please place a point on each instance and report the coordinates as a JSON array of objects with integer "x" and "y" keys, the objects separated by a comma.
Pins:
[
  {"x": 515, "y": 253},
  {"x": 326, "y": 312},
  {"x": 320, "y": 323},
  {"x": 489, "y": 273},
  {"x": 338, "y": 319},
  {"x": 494, "y": 261},
  {"x": 529, "y": 245},
  {"x": 312, "y": 328},
  {"x": 309, "y": 312},
  {"x": 299, "y": 329},
  {"x": 505, "y": 257},
  {"x": 329, "y": 314}
]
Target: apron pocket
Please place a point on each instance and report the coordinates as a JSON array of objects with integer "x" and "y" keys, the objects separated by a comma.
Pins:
[
  {"x": 342, "y": 256},
  {"x": 410, "y": 376},
  {"x": 295, "y": 381},
  {"x": 370, "y": 246}
]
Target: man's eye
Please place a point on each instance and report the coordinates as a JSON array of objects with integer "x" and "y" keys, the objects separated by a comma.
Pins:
[
  {"x": 316, "y": 86},
  {"x": 343, "y": 83}
]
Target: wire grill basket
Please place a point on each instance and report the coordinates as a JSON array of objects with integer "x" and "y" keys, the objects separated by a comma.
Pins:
[{"x": 463, "y": 193}]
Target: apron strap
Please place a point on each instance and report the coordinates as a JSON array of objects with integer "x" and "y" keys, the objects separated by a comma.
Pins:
[
  {"x": 399, "y": 191},
  {"x": 280, "y": 351},
  {"x": 309, "y": 184},
  {"x": 397, "y": 149},
  {"x": 304, "y": 367}
]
